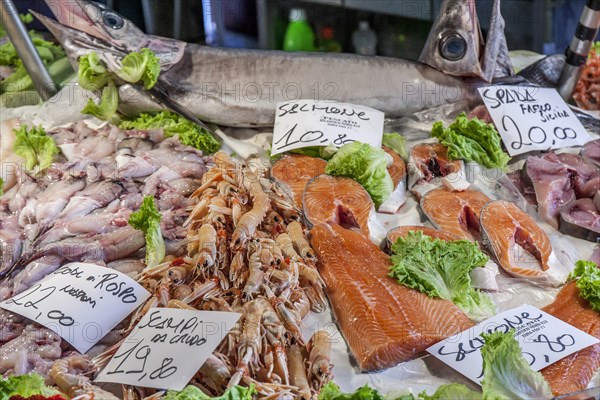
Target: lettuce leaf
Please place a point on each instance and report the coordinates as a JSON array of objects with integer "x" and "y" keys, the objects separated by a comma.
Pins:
[
  {"x": 25, "y": 18},
  {"x": 1, "y": 186},
  {"x": 25, "y": 386},
  {"x": 587, "y": 274},
  {"x": 596, "y": 47},
  {"x": 507, "y": 375},
  {"x": 92, "y": 74},
  {"x": 193, "y": 393},
  {"x": 331, "y": 391},
  {"x": 472, "y": 140},
  {"x": 147, "y": 219},
  {"x": 396, "y": 142},
  {"x": 324, "y": 152},
  {"x": 441, "y": 269},
  {"x": 452, "y": 391},
  {"x": 173, "y": 124},
  {"x": 365, "y": 164},
  {"x": 35, "y": 146},
  {"x": 106, "y": 110},
  {"x": 143, "y": 66}
]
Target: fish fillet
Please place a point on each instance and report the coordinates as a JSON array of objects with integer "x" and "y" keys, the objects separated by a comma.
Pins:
[
  {"x": 503, "y": 226},
  {"x": 428, "y": 161},
  {"x": 340, "y": 200},
  {"x": 397, "y": 171},
  {"x": 402, "y": 231},
  {"x": 455, "y": 212},
  {"x": 574, "y": 373},
  {"x": 296, "y": 170},
  {"x": 384, "y": 323}
]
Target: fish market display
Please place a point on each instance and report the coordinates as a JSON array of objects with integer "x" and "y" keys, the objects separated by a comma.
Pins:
[
  {"x": 574, "y": 372},
  {"x": 340, "y": 200},
  {"x": 519, "y": 245},
  {"x": 383, "y": 323},
  {"x": 428, "y": 161},
  {"x": 295, "y": 171},
  {"x": 455, "y": 212},
  {"x": 247, "y": 252}
]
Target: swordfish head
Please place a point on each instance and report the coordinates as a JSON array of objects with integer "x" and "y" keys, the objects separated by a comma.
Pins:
[
  {"x": 455, "y": 44},
  {"x": 82, "y": 26}
]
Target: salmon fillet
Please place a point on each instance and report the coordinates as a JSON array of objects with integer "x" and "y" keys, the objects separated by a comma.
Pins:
[
  {"x": 384, "y": 323},
  {"x": 402, "y": 231},
  {"x": 430, "y": 160},
  {"x": 503, "y": 225},
  {"x": 295, "y": 171},
  {"x": 340, "y": 200},
  {"x": 574, "y": 373},
  {"x": 455, "y": 212}
]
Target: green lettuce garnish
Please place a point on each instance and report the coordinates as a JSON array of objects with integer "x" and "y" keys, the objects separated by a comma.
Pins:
[
  {"x": 193, "y": 393},
  {"x": 92, "y": 74},
  {"x": 365, "y": 164},
  {"x": 173, "y": 124},
  {"x": 507, "y": 375},
  {"x": 452, "y": 391},
  {"x": 25, "y": 19},
  {"x": 324, "y": 152},
  {"x": 331, "y": 391},
  {"x": 143, "y": 66},
  {"x": 106, "y": 110},
  {"x": 587, "y": 274},
  {"x": 472, "y": 140},
  {"x": 25, "y": 386},
  {"x": 596, "y": 47},
  {"x": 1, "y": 186},
  {"x": 147, "y": 219},
  {"x": 396, "y": 142},
  {"x": 35, "y": 146},
  {"x": 441, "y": 268}
]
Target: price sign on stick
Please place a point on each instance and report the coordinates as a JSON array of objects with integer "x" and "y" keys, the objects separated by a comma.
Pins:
[
  {"x": 81, "y": 302},
  {"x": 167, "y": 347},
  {"x": 543, "y": 338},
  {"x": 532, "y": 118},
  {"x": 307, "y": 123}
]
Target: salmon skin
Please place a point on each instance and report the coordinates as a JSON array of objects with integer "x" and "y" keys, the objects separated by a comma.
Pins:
[
  {"x": 295, "y": 170},
  {"x": 384, "y": 323},
  {"x": 573, "y": 373},
  {"x": 455, "y": 212},
  {"x": 504, "y": 225},
  {"x": 340, "y": 200},
  {"x": 428, "y": 161},
  {"x": 397, "y": 170}
]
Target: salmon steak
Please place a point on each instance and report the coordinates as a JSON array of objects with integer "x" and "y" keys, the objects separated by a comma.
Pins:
[
  {"x": 295, "y": 170},
  {"x": 402, "y": 231},
  {"x": 397, "y": 171},
  {"x": 384, "y": 323},
  {"x": 574, "y": 372},
  {"x": 455, "y": 212},
  {"x": 341, "y": 200},
  {"x": 428, "y": 161},
  {"x": 519, "y": 245}
]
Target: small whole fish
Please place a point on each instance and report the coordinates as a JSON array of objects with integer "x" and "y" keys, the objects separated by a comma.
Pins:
[{"x": 239, "y": 87}]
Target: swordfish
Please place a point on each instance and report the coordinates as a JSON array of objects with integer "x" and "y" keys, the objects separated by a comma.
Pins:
[{"x": 241, "y": 87}]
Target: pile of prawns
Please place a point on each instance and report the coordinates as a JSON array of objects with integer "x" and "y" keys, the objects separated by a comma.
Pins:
[{"x": 247, "y": 252}]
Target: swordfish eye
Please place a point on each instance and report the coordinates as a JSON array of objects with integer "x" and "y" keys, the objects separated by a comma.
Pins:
[
  {"x": 112, "y": 19},
  {"x": 452, "y": 46}
]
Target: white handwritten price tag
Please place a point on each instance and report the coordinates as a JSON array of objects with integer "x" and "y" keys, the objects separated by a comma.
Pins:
[
  {"x": 80, "y": 302},
  {"x": 167, "y": 347},
  {"x": 307, "y": 123},
  {"x": 543, "y": 338},
  {"x": 531, "y": 118}
]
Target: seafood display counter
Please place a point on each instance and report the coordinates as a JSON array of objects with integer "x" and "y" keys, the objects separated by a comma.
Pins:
[{"x": 145, "y": 254}]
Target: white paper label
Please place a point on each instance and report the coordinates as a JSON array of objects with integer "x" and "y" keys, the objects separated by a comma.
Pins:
[
  {"x": 531, "y": 118},
  {"x": 305, "y": 123},
  {"x": 80, "y": 302},
  {"x": 543, "y": 338},
  {"x": 167, "y": 347}
]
